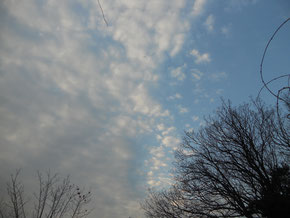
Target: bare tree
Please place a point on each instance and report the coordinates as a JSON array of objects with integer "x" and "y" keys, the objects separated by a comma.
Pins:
[
  {"x": 56, "y": 197},
  {"x": 232, "y": 167},
  {"x": 165, "y": 203},
  {"x": 283, "y": 94}
]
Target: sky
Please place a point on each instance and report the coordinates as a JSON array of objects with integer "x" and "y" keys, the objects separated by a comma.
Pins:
[{"x": 107, "y": 99}]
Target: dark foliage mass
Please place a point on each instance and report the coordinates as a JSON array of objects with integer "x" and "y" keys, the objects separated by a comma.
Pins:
[{"x": 236, "y": 165}]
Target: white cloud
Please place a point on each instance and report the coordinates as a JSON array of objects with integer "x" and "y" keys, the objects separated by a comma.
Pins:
[
  {"x": 234, "y": 5},
  {"x": 150, "y": 173},
  {"x": 158, "y": 17},
  {"x": 144, "y": 104},
  {"x": 173, "y": 97},
  {"x": 198, "y": 7},
  {"x": 178, "y": 41},
  {"x": 160, "y": 181},
  {"x": 197, "y": 75},
  {"x": 200, "y": 58},
  {"x": 187, "y": 125},
  {"x": 157, "y": 151},
  {"x": 195, "y": 118},
  {"x": 178, "y": 74},
  {"x": 226, "y": 30},
  {"x": 160, "y": 127},
  {"x": 157, "y": 163},
  {"x": 153, "y": 182},
  {"x": 168, "y": 130},
  {"x": 159, "y": 137},
  {"x": 182, "y": 110},
  {"x": 171, "y": 141},
  {"x": 219, "y": 91},
  {"x": 209, "y": 23},
  {"x": 218, "y": 76}
]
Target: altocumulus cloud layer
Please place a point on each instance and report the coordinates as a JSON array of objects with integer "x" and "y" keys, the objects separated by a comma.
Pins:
[{"x": 75, "y": 93}]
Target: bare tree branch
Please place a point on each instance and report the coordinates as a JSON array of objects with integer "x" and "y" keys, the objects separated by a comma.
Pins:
[
  {"x": 104, "y": 18},
  {"x": 262, "y": 61},
  {"x": 56, "y": 197},
  {"x": 231, "y": 167}
]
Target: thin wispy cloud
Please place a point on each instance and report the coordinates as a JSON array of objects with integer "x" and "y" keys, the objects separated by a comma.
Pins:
[
  {"x": 198, "y": 7},
  {"x": 175, "y": 96},
  {"x": 182, "y": 110},
  {"x": 178, "y": 73},
  {"x": 199, "y": 57},
  {"x": 225, "y": 30},
  {"x": 218, "y": 76},
  {"x": 209, "y": 23},
  {"x": 197, "y": 74}
]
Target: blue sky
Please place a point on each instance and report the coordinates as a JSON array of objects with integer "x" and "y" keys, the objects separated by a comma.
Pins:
[{"x": 108, "y": 104}]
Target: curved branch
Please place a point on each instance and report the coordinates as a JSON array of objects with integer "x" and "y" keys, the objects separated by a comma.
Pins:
[
  {"x": 272, "y": 80},
  {"x": 263, "y": 57}
]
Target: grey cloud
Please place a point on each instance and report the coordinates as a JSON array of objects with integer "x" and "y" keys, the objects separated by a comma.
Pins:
[
  {"x": 51, "y": 119},
  {"x": 74, "y": 94}
]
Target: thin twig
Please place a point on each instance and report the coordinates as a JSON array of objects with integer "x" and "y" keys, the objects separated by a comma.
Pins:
[
  {"x": 104, "y": 18},
  {"x": 283, "y": 131}
]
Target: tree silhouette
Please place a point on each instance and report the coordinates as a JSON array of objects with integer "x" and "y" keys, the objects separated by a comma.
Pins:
[
  {"x": 237, "y": 165},
  {"x": 56, "y": 197}
]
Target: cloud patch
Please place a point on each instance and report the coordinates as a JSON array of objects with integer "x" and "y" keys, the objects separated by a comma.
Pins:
[
  {"x": 182, "y": 110},
  {"x": 178, "y": 73},
  {"x": 197, "y": 74},
  {"x": 75, "y": 93},
  {"x": 200, "y": 58},
  {"x": 218, "y": 76},
  {"x": 198, "y": 7},
  {"x": 175, "y": 96},
  {"x": 209, "y": 23}
]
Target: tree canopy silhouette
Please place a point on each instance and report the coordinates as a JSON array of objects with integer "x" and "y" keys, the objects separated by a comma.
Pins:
[
  {"x": 236, "y": 165},
  {"x": 55, "y": 197}
]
